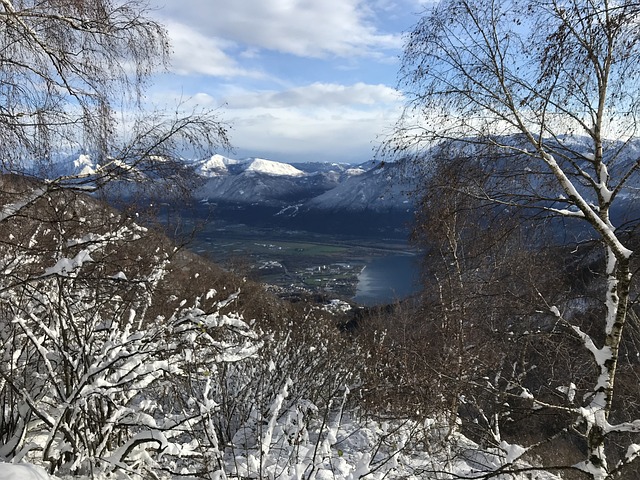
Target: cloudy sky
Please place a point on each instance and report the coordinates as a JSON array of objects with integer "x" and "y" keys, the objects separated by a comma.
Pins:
[{"x": 298, "y": 80}]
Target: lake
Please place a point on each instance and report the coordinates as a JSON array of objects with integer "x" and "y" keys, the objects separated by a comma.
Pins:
[
  {"x": 388, "y": 278},
  {"x": 367, "y": 270}
]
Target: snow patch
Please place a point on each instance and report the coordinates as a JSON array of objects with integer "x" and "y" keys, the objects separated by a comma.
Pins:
[
  {"x": 632, "y": 452},
  {"x": 85, "y": 165},
  {"x": 64, "y": 266},
  {"x": 269, "y": 167},
  {"x": 569, "y": 391},
  {"x": 215, "y": 166},
  {"x": 22, "y": 471},
  {"x": 526, "y": 394},
  {"x": 120, "y": 276},
  {"x": 513, "y": 452}
]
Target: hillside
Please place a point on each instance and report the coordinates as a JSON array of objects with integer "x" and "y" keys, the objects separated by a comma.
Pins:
[
  {"x": 184, "y": 367},
  {"x": 376, "y": 187},
  {"x": 123, "y": 355}
]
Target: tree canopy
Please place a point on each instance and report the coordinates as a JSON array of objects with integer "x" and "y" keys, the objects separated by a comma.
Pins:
[
  {"x": 73, "y": 75},
  {"x": 542, "y": 96}
]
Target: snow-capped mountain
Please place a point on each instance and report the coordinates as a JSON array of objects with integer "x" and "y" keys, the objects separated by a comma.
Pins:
[
  {"x": 269, "y": 167},
  {"x": 220, "y": 165},
  {"x": 215, "y": 166},
  {"x": 382, "y": 188},
  {"x": 289, "y": 187},
  {"x": 324, "y": 186},
  {"x": 258, "y": 181}
]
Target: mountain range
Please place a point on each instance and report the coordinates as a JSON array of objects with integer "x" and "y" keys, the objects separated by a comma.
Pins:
[
  {"x": 369, "y": 187},
  {"x": 370, "y": 199}
]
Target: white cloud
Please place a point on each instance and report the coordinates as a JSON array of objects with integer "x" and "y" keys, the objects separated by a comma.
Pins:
[
  {"x": 316, "y": 122},
  {"x": 194, "y": 53},
  {"x": 289, "y": 135},
  {"x": 317, "y": 95},
  {"x": 308, "y": 28},
  {"x": 324, "y": 122},
  {"x": 236, "y": 56}
]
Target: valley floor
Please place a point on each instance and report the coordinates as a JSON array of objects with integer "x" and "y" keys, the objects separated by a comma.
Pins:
[{"x": 292, "y": 262}]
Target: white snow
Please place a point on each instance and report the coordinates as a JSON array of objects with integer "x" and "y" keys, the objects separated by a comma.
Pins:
[
  {"x": 211, "y": 293},
  {"x": 632, "y": 452},
  {"x": 269, "y": 167},
  {"x": 85, "y": 165},
  {"x": 65, "y": 266},
  {"x": 526, "y": 394},
  {"x": 569, "y": 391},
  {"x": 513, "y": 452},
  {"x": 216, "y": 165},
  {"x": 22, "y": 471}
]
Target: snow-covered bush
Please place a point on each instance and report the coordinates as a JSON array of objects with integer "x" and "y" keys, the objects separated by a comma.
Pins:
[
  {"x": 90, "y": 381},
  {"x": 120, "y": 359},
  {"x": 104, "y": 369}
]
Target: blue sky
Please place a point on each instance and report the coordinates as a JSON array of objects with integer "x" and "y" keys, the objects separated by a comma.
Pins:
[{"x": 298, "y": 80}]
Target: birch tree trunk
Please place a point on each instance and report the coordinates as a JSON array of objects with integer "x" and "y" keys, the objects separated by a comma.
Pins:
[{"x": 550, "y": 88}]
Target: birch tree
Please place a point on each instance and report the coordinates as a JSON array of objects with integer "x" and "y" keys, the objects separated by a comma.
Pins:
[
  {"x": 546, "y": 93},
  {"x": 73, "y": 74}
]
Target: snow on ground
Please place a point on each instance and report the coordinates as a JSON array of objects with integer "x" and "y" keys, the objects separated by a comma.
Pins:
[
  {"x": 22, "y": 471},
  {"x": 341, "y": 447}
]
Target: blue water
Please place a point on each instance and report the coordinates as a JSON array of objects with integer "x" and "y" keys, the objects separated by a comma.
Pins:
[{"x": 388, "y": 278}]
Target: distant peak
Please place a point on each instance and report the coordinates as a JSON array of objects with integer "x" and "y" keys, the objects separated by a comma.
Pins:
[
  {"x": 215, "y": 165},
  {"x": 270, "y": 167}
]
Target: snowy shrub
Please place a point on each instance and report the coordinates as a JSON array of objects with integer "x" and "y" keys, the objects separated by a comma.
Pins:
[
  {"x": 305, "y": 356},
  {"x": 105, "y": 369},
  {"x": 88, "y": 385},
  {"x": 119, "y": 359},
  {"x": 90, "y": 380}
]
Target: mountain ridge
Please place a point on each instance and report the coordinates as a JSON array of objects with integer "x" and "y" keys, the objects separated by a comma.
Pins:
[{"x": 375, "y": 187}]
